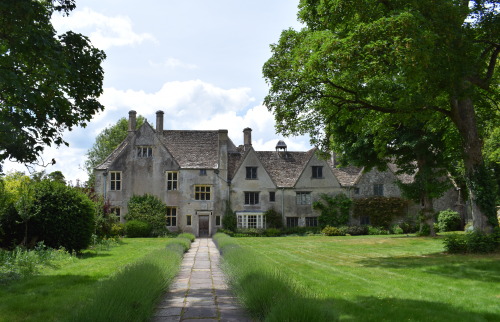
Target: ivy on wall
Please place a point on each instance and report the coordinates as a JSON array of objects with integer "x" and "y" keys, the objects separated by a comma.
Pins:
[
  {"x": 382, "y": 210},
  {"x": 334, "y": 210}
]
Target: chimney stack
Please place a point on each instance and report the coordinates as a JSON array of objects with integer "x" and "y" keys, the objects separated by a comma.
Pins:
[
  {"x": 247, "y": 138},
  {"x": 159, "y": 121},
  {"x": 131, "y": 121}
]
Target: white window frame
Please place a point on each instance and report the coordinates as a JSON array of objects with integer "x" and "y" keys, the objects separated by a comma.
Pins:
[
  {"x": 172, "y": 180},
  {"x": 144, "y": 151},
  {"x": 251, "y": 220},
  {"x": 303, "y": 198},
  {"x": 169, "y": 215},
  {"x": 115, "y": 179}
]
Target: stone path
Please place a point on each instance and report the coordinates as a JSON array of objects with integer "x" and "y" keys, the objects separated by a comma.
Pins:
[{"x": 199, "y": 292}]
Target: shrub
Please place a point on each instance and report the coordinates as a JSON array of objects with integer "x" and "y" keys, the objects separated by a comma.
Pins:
[
  {"x": 150, "y": 209},
  {"x": 300, "y": 230},
  {"x": 372, "y": 230},
  {"x": 272, "y": 232},
  {"x": 118, "y": 229},
  {"x": 356, "y": 230},
  {"x": 137, "y": 228},
  {"x": 229, "y": 220},
  {"x": 273, "y": 218},
  {"x": 396, "y": 229},
  {"x": 472, "y": 242},
  {"x": 409, "y": 227},
  {"x": 62, "y": 216},
  {"x": 189, "y": 236},
  {"x": 332, "y": 231},
  {"x": 334, "y": 210},
  {"x": 382, "y": 210},
  {"x": 448, "y": 220}
]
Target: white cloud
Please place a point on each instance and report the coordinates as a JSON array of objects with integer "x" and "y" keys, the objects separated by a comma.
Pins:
[
  {"x": 190, "y": 105},
  {"x": 173, "y": 63},
  {"x": 105, "y": 32}
]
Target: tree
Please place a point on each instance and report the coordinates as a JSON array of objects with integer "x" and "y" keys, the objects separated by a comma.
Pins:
[
  {"x": 106, "y": 142},
  {"x": 416, "y": 58},
  {"x": 48, "y": 83}
]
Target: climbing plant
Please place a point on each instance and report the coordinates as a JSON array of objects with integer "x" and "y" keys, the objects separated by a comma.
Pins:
[{"x": 334, "y": 210}]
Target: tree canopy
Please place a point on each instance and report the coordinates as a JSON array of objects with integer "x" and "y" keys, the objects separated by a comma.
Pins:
[
  {"x": 48, "y": 83},
  {"x": 359, "y": 64}
]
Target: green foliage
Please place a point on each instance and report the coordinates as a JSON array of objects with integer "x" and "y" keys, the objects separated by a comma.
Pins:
[
  {"x": 63, "y": 216},
  {"x": 229, "y": 220},
  {"x": 118, "y": 229},
  {"x": 382, "y": 210},
  {"x": 189, "y": 236},
  {"x": 49, "y": 83},
  {"x": 448, "y": 220},
  {"x": 132, "y": 293},
  {"x": 332, "y": 231},
  {"x": 471, "y": 242},
  {"x": 484, "y": 187},
  {"x": 334, "y": 210},
  {"x": 150, "y": 209},
  {"x": 22, "y": 262},
  {"x": 137, "y": 228},
  {"x": 272, "y": 232},
  {"x": 264, "y": 289},
  {"x": 372, "y": 230},
  {"x": 274, "y": 219},
  {"x": 365, "y": 69},
  {"x": 355, "y": 230},
  {"x": 106, "y": 142}
]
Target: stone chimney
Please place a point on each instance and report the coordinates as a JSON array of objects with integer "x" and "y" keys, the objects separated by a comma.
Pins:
[
  {"x": 132, "y": 121},
  {"x": 159, "y": 121},
  {"x": 247, "y": 138}
]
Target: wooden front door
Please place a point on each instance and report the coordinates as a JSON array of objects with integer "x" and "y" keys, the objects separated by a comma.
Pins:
[{"x": 203, "y": 226}]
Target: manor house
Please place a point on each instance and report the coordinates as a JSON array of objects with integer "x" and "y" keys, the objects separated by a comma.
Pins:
[{"x": 197, "y": 173}]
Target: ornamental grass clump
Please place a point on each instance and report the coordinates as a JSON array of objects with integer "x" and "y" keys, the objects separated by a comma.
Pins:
[
  {"x": 264, "y": 290},
  {"x": 132, "y": 293}
]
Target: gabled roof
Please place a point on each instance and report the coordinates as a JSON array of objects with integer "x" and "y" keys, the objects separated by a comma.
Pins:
[
  {"x": 193, "y": 149},
  {"x": 347, "y": 176},
  {"x": 107, "y": 162},
  {"x": 284, "y": 168}
]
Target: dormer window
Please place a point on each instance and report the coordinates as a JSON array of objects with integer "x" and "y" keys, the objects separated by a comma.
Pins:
[{"x": 144, "y": 151}]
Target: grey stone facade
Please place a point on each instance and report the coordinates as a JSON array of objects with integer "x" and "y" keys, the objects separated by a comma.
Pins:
[{"x": 196, "y": 172}]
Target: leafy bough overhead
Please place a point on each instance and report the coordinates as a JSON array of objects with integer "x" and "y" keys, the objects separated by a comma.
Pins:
[
  {"x": 48, "y": 83},
  {"x": 387, "y": 65}
]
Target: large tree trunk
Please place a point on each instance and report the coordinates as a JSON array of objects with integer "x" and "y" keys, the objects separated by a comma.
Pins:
[
  {"x": 464, "y": 117},
  {"x": 427, "y": 206}
]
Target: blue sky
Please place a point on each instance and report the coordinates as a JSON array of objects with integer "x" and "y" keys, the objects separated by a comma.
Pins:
[{"x": 199, "y": 61}]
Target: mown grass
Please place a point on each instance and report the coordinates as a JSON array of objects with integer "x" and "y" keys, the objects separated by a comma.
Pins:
[
  {"x": 77, "y": 283},
  {"x": 374, "y": 278}
]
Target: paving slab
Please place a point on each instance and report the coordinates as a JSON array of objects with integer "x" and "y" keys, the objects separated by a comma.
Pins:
[{"x": 199, "y": 292}]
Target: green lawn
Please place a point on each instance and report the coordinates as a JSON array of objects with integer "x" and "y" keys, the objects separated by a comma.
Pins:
[
  {"x": 70, "y": 283},
  {"x": 390, "y": 278}
]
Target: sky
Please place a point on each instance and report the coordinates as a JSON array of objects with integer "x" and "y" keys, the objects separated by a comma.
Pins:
[{"x": 198, "y": 61}]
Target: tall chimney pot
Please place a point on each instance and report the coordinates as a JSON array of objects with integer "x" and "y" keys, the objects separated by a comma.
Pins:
[
  {"x": 159, "y": 121},
  {"x": 247, "y": 138},
  {"x": 132, "y": 121}
]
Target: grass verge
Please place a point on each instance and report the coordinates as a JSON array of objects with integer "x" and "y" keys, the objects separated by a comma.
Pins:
[
  {"x": 131, "y": 294},
  {"x": 381, "y": 278},
  {"x": 70, "y": 283},
  {"x": 266, "y": 291}
]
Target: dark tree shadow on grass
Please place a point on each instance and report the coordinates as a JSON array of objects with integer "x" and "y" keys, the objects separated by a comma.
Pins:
[
  {"x": 484, "y": 268},
  {"x": 369, "y": 308}
]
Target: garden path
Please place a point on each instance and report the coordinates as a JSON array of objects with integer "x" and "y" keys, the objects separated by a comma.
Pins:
[{"x": 199, "y": 291}]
